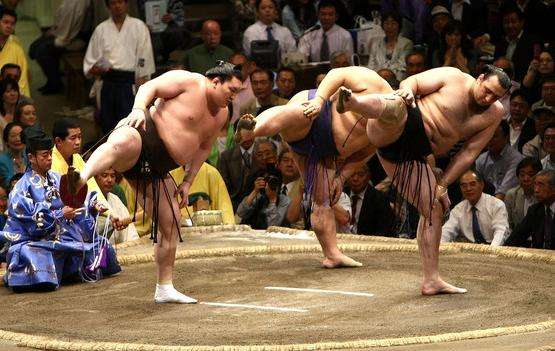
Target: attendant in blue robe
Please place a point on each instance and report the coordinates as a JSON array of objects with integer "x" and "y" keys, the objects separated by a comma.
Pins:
[{"x": 49, "y": 243}]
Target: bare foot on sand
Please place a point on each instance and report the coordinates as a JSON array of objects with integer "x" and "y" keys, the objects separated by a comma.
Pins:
[
  {"x": 342, "y": 261},
  {"x": 435, "y": 287}
]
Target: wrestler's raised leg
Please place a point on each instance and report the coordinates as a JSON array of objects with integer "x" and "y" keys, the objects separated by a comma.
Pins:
[
  {"x": 428, "y": 235},
  {"x": 120, "y": 151},
  {"x": 322, "y": 219},
  {"x": 388, "y": 108},
  {"x": 166, "y": 246}
]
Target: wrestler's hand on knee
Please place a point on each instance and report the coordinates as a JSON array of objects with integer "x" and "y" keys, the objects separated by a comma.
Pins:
[
  {"x": 442, "y": 198},
  {"x": 136, "y": 118},
  {"x": 407, "y": 95},
  {"x": 183, "y": 191}
]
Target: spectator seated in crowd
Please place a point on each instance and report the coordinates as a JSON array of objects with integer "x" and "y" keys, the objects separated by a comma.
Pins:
[
  {"x": 548, "y": 140},
  {"x": 125, "y": 230},
  {"x": 440, "y": 16},
  {"x": 480, "y": 218},
  {"x": 519, "y": 199},
  {"x": 262, "y": 81},
  {"x": 454, "y": 50},
  {"x": 509, "y": 68},
  {"x": 472, "y": 14},
  {"x": 209, "y": 181},
  {"x": 339, "y": 59},
  {"x": 13, "y": 71},
  {"x": 543, "y": 115},
  {"x": 9, "y": 97},
  {"x": 517, "y": 45},
  {"x": 264, "y": 206},
  {"x": 299, "y": 16},
  {"x": 12, "y": 52},
  {"x": 9, "y": 4},
  {"x": 14, "y": 159},
  {"x": 372, "y": 213},
  {"x": 26, "y": 114},
  {"x": 236, "y": 165},
  {"x": 540, "y": 68},
  {"x": 57, "y": 241},
  {"x": 204, "y": 56},
  {"x": 65, "y": 34},
  {"x": 521, "y": 123},
  {"x": 265, "y": 28},
  {"x": 246, "y": 94},
  {"x": 389, "y": 77},
  {"x": 538, "y": 222},
  {"x": 330, "y": 37},
  {"x": 120, "y": 55},
  {"x": 415, "y": 63},
  {"x": 286, "y": 81},
  {"x": 498, "y": 164},
  {"x": 390, "y": 52},
  {"x": 415, "y": 14},
  {"x": 67, "y": 152}
]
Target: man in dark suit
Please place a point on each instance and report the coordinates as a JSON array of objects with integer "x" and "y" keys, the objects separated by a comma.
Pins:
[
  {"x": 371, "y": 212},
  {"x": 538, "y": 222},
  {"x": 517, "y": 45},
  {"x": 236, "y": 165},
  {"x": 522, "y": 126},
  {"x": 473, "y": 14}
]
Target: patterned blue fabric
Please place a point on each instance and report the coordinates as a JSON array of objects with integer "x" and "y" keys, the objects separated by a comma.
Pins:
[{"x": 44, "y": 248}]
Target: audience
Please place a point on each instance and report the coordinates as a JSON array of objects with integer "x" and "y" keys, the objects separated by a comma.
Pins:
[
  {"x": 14, "y": 159},
  {"x": 538, "y": 222},
  {"x": 106, "y": 182},
  {"x": 520, "y": 198},
  {"x": 454, "y": 48},
  {"x": 319, "y": 44},
  {"x": 371, "y": 211},
  {"x": 339, "y": 59},
  {"x": 246, "y": 94},
  {"x": 298, "y": 16},
  {"x": 65, "y": 34},
  {"x": 262, "y": 81},
  {"x": 390, "y": 52},
  {"x": 204, "y": 56},
  {"x": 120, "y": 55},
  {"x": 480, "y": 218},
  {"x": 415, "y": 63},
  {"x": 265, "y": 28},
  {"x": 12, "y": 52},
  {"x": 543, "y": 116},
  {"x": 26, "y": 113},
  {"x": 498, "y": 164},
  {"x": 9, "y": 97},
  {"x": 540, "y": 68},
  {"x": 286, "y": 81},
  {"x": 521, "y": 123},
  {"x": 548, "y": 140}
]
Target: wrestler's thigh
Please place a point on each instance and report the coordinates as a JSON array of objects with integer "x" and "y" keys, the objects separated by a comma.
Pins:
[
  {"x": 382, "y": 134},
  {"x": 126, "y": 144},
  {"x": 419, "y": 190}
]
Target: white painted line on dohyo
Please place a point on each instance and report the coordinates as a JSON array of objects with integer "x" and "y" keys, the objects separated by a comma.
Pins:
[
  {"x": 266, "y": 308},
  {"x": 321, "y": 291}
]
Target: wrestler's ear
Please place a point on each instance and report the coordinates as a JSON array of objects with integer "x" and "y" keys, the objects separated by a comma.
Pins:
[{"x": 215, "y": 81}]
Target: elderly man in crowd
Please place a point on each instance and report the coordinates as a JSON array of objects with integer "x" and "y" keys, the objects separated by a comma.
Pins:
[
  {"x": 480, "y": 218},
  {"x": 204, "y": 56},
  {"x": 538, "y": 222}
]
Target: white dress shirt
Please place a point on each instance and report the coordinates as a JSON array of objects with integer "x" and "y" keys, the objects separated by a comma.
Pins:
[
  {"x": 338, "y": 40},
  {"x": 547, "y": 163},
  {"x": 492, "y": 218},
  {"x": 128, "y": 49},
  {"x": 378, "y": 56},
  {"x": 257, "y": 31}
]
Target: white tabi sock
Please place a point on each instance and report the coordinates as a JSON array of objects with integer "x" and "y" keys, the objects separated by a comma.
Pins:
[{"x": 166, "y": 293}]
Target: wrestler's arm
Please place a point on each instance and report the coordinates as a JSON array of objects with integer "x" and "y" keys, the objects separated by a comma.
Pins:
[
  {"x": 466, "y": 156},
  {"x": 166, "y": 86},
  {"x": 426, "y": 82}
]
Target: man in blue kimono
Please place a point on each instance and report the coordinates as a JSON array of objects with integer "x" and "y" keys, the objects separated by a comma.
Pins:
[{"x": 48, "y": 243}]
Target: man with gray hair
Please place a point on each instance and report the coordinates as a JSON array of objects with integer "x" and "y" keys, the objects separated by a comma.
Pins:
[
  {"x": 339, "y": 59},
  {"x": 538, "y": 222}
]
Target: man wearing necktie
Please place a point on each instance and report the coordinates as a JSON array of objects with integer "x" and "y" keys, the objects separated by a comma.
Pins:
[
  {"x": 318, "y": 45},
  {"x": 538, "y": 222},
  {"x": 480, "y": 218}
]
